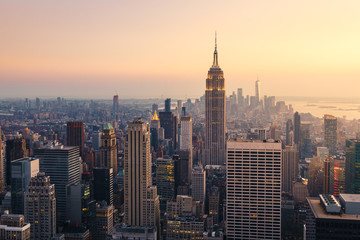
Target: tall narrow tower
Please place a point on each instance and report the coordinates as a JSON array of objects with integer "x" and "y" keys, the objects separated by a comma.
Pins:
[
  {"x": 141, "y": 199},
  {"x": 215, "y": 125},
  {"x": 257, "y": 91},
  {"x": 2, "y": 181},
  {"x": 108, "y": 149}
]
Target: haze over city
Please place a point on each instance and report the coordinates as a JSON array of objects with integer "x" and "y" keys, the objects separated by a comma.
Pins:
[{"x": 153, "y": 49}]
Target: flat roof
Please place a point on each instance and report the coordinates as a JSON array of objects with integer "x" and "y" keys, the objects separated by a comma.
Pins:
[
  {"x": 319, "y": 211},
  {"x": 350, "y": 197}
]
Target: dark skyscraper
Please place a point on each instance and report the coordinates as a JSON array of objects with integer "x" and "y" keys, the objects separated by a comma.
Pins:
[
  {"x": 352, "y": 163},
  {"x": 75, "y": 135},
  {"x": 15, "y": 149},
  {"x": 215, "y": 120},
  {"x": 296, "y": 128},
  {"x": 2, "y": 181},
  {"x": 330, "y": 133},
  {"x": 103, "y": 185},
  {"x": 168, "y": 105},
  {"x": 62, "y": 164},
  {"x": 108, "y": 149}
]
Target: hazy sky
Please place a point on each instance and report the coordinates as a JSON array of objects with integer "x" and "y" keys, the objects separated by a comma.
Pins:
[{"x": 153, "y": 48}]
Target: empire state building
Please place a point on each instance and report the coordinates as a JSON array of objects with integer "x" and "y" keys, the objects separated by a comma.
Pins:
[{"x": 215, "y": 125}]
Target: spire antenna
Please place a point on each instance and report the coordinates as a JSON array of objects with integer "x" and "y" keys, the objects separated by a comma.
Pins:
[{"x": 215, "y": 63}]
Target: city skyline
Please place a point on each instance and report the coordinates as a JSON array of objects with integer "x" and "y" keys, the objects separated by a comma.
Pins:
[{"x": 295, "y": 48}]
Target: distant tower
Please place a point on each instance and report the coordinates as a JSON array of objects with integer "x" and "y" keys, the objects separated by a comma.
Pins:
[
  {"x": 40, "y": 207},
  {"x": 75, "y": 135},
  {"x": 108, "y": 149},
  {"x": 257, "y": 91},
  {"x": 141, "y": 199},
  {"x": 168, "y": 105},
  {"x": 297, "y": 124},
  {"x": 116, "y": 103},
  {"x": 289, "y": 132},
  {"x": 215, "y": 116},
  {"x": 240, "y": 97},
  {"x": 330, "y": 133}
]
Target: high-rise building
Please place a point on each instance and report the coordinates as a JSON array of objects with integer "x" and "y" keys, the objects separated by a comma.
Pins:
[
  {"x": 257, "y": 91},
  {"x": 240, "y": 97},
  {"x": 116, "y": 103},
  {"x": 167, "y": 122},
  {"x": 103, "y": 185},
  {"x": 75, "y": 135},
  {"x": 166, "y": 179},
  {"x": 108, "y": 149},
  {"x": 184, "y": 166},
  {"x": 327, "y": 218},
  {"x": 13, "y": 226},
  {"x": 2, "y": 181},
  {"x": 40, "y": 207},
  {"x": 297, "y": 128},
  {"x": 337, "y": 175},
  {"x": 186, "y": 133},
  {"x": 104, "y": 220},
  {"x": 154, "y": 131},
  {"x": 168, "y": 105},
  {"x": 62, "y": 164},
  {"x": 352, "y": 169},
  {"x": 289, "y": 133},
  {"x": 253, "y": 191},
  {"x": 14, "y": 149},
  {"x": 327, "y": 176},
  {"x": 198, "y": 184},
  {"x": 330, "y": 133},
  {"x": 305, "y": 140},
  {"x": 214, "y": 201},
  {"x": 155, "y": 107},
  {"x": 82, "y": 208},
  {"x": 22, "y": 170},
  {"x": 289, "y": 171},
  {"x": 141, "y": 199},
  {"x": 215, "y": 115}
]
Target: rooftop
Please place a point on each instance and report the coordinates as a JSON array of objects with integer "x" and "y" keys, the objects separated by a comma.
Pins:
[
  {"x": 350, "y": 197},
  {"x": 319, "y": 211}
]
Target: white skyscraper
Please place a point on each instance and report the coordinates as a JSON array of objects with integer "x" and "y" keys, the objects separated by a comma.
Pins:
[
  {"x": 253, "y": 189},
  {"x": 198, "y": 184},
  {"x": 186, "y": 133}
]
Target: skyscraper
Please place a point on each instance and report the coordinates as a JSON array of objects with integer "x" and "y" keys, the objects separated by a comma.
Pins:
[
  {"x": 154, "y": 130},
  {"x": 14, "y": 149},
  {"x": 240, "y": 97},
  {"x": 168, "y": 105},
  {"x": 141, "y": 199},
  {"x": 253, "y": 189},
  {"x": 215, "y": 119},
  {"x": 62, "y": 164},
  {"x": 352, "y": 169},
  {"x": 166, "y": 179},
  {"x": 22, "y": 170},
  {"x": 297, "y": 128},
  {"x": 257, "y": 91},
  {"x": 103, "y": 185},
  {"x": 75, "y": 135},
  {"x": 116, "y": 103},
  {"x": 289, "y": 132},
  {"x": 2, "y": 181},
  {"x": 330, "y": 133},
  {"x": 108, "y": 149},
  {"x": 289, "y": 171},
  {"x": 198, "y": 184},
  {"x": 186, "y": 133},
  {"x": 40, "y": 207}
]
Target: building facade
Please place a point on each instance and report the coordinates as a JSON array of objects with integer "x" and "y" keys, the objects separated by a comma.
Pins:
[
  {"x": 108, "y": 149},
  {"x": 141, "y": 200},
  {"x": 253, "y": 189},
  {"x": 215, "y": 115},
  {"x": 40, "y": 207},
  {"x": 330, "y": 133}
]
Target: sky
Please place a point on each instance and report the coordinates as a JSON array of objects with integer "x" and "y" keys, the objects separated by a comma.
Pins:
[{"x": 157, "y": 49}]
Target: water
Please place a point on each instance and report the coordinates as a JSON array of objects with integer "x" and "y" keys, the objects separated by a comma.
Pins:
[{"x": 348, "y": 108}]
